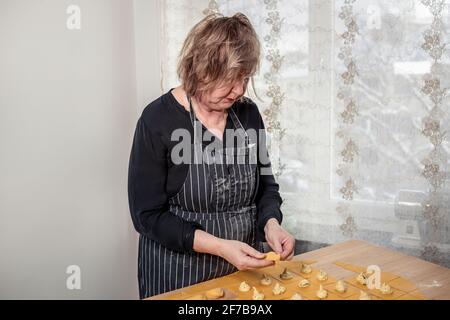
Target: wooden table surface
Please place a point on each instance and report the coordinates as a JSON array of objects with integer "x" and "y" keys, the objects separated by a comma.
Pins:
[{"x": 432, "y": 280}]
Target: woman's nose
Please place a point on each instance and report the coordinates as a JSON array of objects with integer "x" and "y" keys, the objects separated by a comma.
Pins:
[{"x": 239, "y": 88}]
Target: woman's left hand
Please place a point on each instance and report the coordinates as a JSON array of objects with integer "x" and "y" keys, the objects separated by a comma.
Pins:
[{"x": 279, "y": 240}]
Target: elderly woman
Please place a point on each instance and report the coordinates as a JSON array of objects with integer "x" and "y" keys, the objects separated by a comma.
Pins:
[{"x": 205, "y": 217}]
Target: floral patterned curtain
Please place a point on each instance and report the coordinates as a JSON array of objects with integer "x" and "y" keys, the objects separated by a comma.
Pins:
[{"x": 355, "y": 99}]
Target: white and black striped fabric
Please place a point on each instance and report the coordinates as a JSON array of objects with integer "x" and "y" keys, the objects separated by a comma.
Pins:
[{"x": 220, "y": 197}]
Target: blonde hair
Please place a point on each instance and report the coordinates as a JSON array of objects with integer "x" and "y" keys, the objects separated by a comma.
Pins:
[{"x": 218, "y": 50}]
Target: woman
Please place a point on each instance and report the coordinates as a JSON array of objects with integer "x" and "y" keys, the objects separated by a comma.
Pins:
[{"x": 200, "y": 220}]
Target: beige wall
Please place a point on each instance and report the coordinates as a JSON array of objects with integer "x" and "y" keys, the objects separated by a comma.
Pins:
[{"x": 69, "y": 101}]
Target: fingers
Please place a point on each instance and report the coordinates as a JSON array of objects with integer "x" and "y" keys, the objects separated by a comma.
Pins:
[
  {"x": 254, "y": 259},
  {"x": 290, "y": 256},
  {"x": 252, "y": 252},
  {"x": 276, "y": 246},
  {"x": 288, "y": 249},
  {"x": 252, "y": 263}
]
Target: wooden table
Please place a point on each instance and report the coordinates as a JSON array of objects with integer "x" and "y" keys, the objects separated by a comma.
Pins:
[{"x": 431, "y": 280}]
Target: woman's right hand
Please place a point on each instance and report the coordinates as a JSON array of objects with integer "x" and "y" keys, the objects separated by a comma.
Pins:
[{"x": 241, "y": 255}]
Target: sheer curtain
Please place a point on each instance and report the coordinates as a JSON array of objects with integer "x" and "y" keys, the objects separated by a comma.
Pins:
[{"x": 354, "y": 96}]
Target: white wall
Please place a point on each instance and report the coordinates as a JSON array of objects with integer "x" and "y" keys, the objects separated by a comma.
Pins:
[
  {"x": 68, "y": 108},
  {"x": 147, "y": 26}
]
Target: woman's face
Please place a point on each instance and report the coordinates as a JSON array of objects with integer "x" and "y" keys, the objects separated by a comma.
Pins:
[{"x": 223, "y": 96}]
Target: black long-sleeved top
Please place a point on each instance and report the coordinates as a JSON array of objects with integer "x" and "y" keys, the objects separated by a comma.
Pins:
[{"x": 153, "y": 178}]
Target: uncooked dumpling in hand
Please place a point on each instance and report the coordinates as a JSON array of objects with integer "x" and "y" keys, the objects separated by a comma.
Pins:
[{"x": 273, "y": 256}]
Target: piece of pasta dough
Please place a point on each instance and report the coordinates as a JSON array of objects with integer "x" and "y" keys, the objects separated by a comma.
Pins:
[
  {"x": 273, "y": 256},
  {"x": 321, "y": 293},
  {"x": 362, "y": 278},
  {"x": 244, "y": 287},
  {"x": 257, "y": 295},
  {"x": 296, "y": 296},
  {"x": 278, "y": 289},
  {"x": 306, "y": 268},
  {"x": 386, "y": 289},
  {"x": 303, "y": 283},
  {"x": 286, "y": 275},
  {"x": 322, "y": 275},
  {"x": 215, "y": 293},
  {"x": 364, "y": 296},
  {"x": 265, "y": 280},
  {"x": 197, "y": 297},
  {"x": 341, "y": 286}
]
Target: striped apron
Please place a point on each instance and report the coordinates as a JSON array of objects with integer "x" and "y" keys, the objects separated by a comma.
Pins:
[{"x": 218, "y": 195}]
